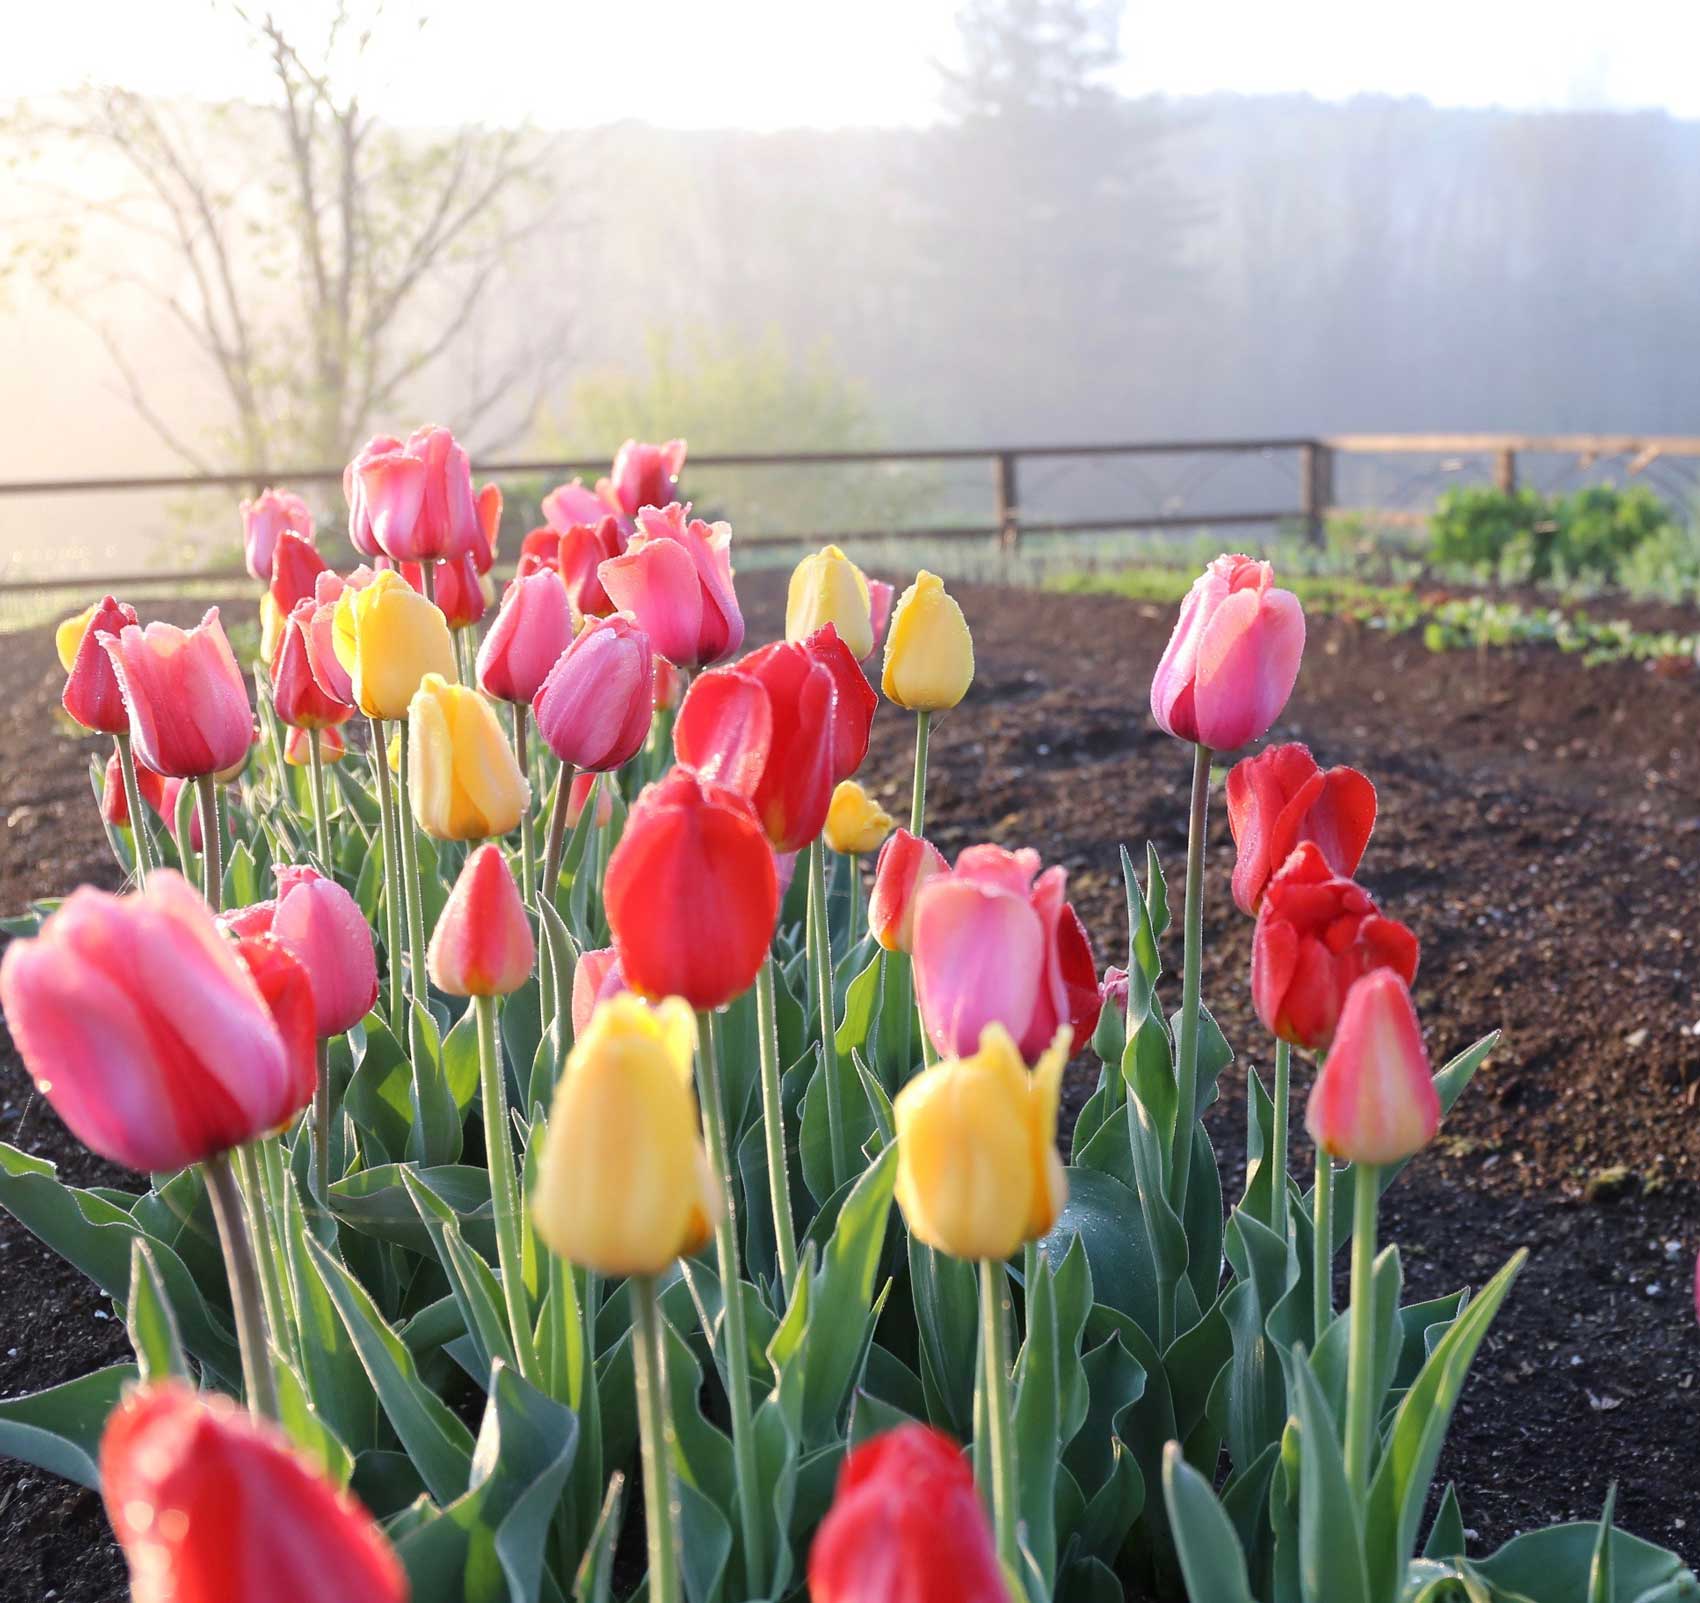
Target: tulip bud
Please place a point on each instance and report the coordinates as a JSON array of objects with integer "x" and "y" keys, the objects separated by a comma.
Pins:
[
  {"x": 929, "y": 654},
  {"x": 489, "y": 508},
  {"x": 643, "y": 476},
  {"x": 583, "y": 548},
  {"x": 264, "y": 519},
  {"x": 114, "y": 803},
  {"x": 189, "y": 713},
  {"x": 579, "y": 794},
  {"x": 1109, "y": 1039},
  {"x": 213, "y": 1505},
  {"x": 906, "y": 1523},
  {"x": 880, "y": 597},
  {"x": 482, "y": 945},
  {"x": 596, "y": 977},
  {"x": 977, "y": 1167},
  {"x": 388, "y": 637},
  {"x": 853, "y": 707},
  {"x": 68, "y": 636},
  {"x": 670, "y": 685},
  {"x": 298, "y": 754},
  {"x": 462, "y": 773},
  {"x": 460, "y": 591},
  {"x": 593, "y": 709},
  {"x": 1233, "y": 659},
  {"x": 533, "y": 628},
  {"x": 418, "y": 497},
  {"x": 855, "y": 822},
  {"x": 623, "y": 1185},
  {"x": 569, "y": 505},
  {"x": 1280, "y": 798},
  {"x": 91, "y": 693},
  {"x": 905, "y": 864},
  {"x": 296, "y": 567},
  {"x": 829, "y": 588},
  {"x": 1374, "y": 1101},
  {"x": 299, "y": 699},
  {"x": 675, "y": 578},
  {"x": 323, "y": 926}
]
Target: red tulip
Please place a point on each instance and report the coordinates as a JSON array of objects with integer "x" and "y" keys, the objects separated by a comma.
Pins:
[
  {"x": 593, "y": 709},
  {"x": 92, "y": 695},
  {"x": 689, "y": 843},
  {"x": 579, "y": 794},
  {"x": 670, "y": 685},
  {"x": 581, "y": 550},
  {"x": 115, "y": 805},
  {"x": 482, "y": 945},
  {"x": 1278, "y": 799},
  {"x": 596, "y": 977},
  {"x": 263, "y": 520},
  {"x": 569, "y": 504},
  {"x": 1316, "y": 934},
  {"x": 212, "y": 1505},
  {"x": 169, "y": 791},
  {"x": 1233, "y": 659},
  {"x": 189, "y": 712},
  {"x": 489, "y": 507},
  {"x": 904, "y": 865},
  {"x": 856, "y": 703},
  {"x": 287, "y": 987},
  {"x": 906, "y": 1526},
  {"x": 459, "y": 592},
  {"x": 1375, "y": 1101},
  {"x": 322, "y": 925},
  {"x": 299, "y": 698},
  {"x": 145, "y": 1029},
  {"x": 296, "y": 567},
  {"x": 993, "y": 946},
  {"x": 532, "y": 629},
  {"x": 643, "y": 476},
  {"x": 675, "y": 578}
]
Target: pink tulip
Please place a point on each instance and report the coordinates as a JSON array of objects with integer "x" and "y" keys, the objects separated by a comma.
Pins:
[
  {"x": 448, "y": 518},
  {"x": 489, "y": 504},
  {"x": 579, "y": 794},
  {"x": 643, "y": 476},
  {"x": 416, "y": 499},
  {"x": 992, "y": 946},
  {"x": 91, "y": 694},
  {"x": 532, "y": 629},
  {"x": 189, "y": 712},
  {"x": 904, "y": 865},
  {"x": 1279, "y": 799},
  {"x": 482, "y": 945},
  {"x": 296, "y": 566},
  {"x": 568, "y": 505},
  {"x": 318, "y": 921},
  {"x": 593, "y": 709},
  {"x": 263, "y": 520},
  {"x": 1233, "y": 659},
  {"x": 670, "y": 685},
  {"x": 596, "y": 978},
  {"x": 675, "y": 578},
  {"x": 298, "y": 697},
  {"x": 880, "y": 597},
  {"x": 582, "y": 549},
  {"x": 1375, "y": 1101},
  {"x": 148, "y": 1033},
  {"x": 360, "y": 532}
]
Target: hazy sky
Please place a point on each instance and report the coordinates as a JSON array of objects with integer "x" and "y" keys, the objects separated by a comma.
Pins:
[{"x": 778, "y": 63}]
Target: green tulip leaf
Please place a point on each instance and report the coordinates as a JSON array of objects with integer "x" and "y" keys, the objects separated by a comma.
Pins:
[{"x": 59, "y": 1429}]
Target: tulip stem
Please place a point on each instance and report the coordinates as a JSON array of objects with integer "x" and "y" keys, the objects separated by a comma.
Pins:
[
  {"x": 527, "y": 837},
  {"x": 212, "y": 865},
  {"x": 1322, "y": 1247},
  {"x": 918, "y": 798},
  {"x": 655, "y": 1434},
  {"x": 133, "y": 804},
  {"x": 409, "y": 826},
  {"x": 321, "y": 807},
  {"x": 239, "y": 1269},
  {"x": 392, "y": 873},
  {"x": 1360, "y": 1360},
  {"x": 558, "y": 829},
  {"x": 855, "y": 899},
  {"x": 824, "y": 999},
  {"x": 1186, "y": 1065},
  {"x": 322, "y": 1123},
  {"x": 734, "y": 1345},
  {"x": 994, "y": 1299},
  {"x": 504, "y": 1188},
  {"x": 773, "y": 1122},
  {"x": 1277, "y": 1158}
]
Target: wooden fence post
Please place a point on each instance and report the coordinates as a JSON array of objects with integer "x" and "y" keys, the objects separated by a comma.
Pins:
[
  {"x": 1006, "y": 500},
  {"x": 1505, "y": 471},
  {"x": 1316, "y": 471}
]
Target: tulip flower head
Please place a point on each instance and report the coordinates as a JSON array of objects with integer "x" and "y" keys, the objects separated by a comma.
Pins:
[
  {"x": 322, "y": 925},
  {"x": 880, "y": 597},
  {"x": 829, "y": 588},
  {"x": 68, "y": 635},
  {"x": 296, "y": 566},
  {"x": 596, "y": 977},
  {"x": 416, "y": 499},
  {"x": 855, "y": 822},
  {"x": 579, "y": 794},
  {"x": 1375, "y": 1101},
  {"x": 1316, "y": 934},
  {"x": 995, "y": 941},
  {"x": 188, "y": 704},
  {"x": 92, "y": 695},
  {"x": 463, "y": 777},
  {"x": 1233, "y": 659},
  {"x": 905, "y": 864},
  {"x": 594, "y": 707},
  {"x": 582, "y": 549},
  {"x": 691, "y": 844},
  {"x": 977, "y": 1167},
  {"x": 264, "y": 519},
  {"x": 929, "y": 653},
  {"x": 298, "y": 697},
  {"x": 147, "y": 1032},
  {"x": 482, "y": 945},
  {"x": 643, "y": 476},
  {"x": 461, "y": 591},
  {"x": 387, "y": 638},
  {"x": 670, "y": 686},
  {"x": 570, "y": 504},
  {"x": 534, "y": 626},
  {"x": 297, "y": 753},
  {"x": 488, "y": 504},
  {"x": 675, "y": 578},
  {"x": 1280, "y": 798},
  {"x": 213, "y": 1505},
  {"x": 623, "y": 1185}
]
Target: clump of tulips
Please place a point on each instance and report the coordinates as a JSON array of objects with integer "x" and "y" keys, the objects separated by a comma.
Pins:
[{"x": 530, "y": 1018}]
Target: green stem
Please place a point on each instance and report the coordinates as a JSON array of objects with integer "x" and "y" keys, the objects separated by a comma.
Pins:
[
  {"x": 918, "y": 797},
  {"x": 1322, "y": 1247},
  {"x": 260, "y": 1210},
  {"x": 1277, "y": 1158},
  {"x": 734, "y": 1346},
  {"x": 245, "y": 1297},
  {"x": 321, "y": 808},
  {"x": 655, "y": 1434},
  {"x": 504, "y": 1188},
  {"x": 527, "y": 838},
  {"x": 133, "y": 803},
  {"x": 1186, "y": 1067},
  {"x": 994, "y": 1296},
  {"x": 855, "y": 900},
  {"x": 1360, "y": 1361},
  {"x": 558, "y": 828},
  {"x": 409, "y": 826},
  {"x": 773, "y": 1122},
  {"x": 392, "y": 874},
  {"x": 322, "y": 1124},
  {"x": 822, "y": 956},
  {"x": 212, "y": 855}
]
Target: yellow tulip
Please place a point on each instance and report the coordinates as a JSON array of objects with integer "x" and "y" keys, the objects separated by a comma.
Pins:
[
  {"x": 929, "y": 653},
  {"x": 69, "y": 635},
  {"x": 393, "y": 752},
  {"x": 272, "y": 621},
  {"x": 388, "y": 637},
  {"x": 623, "y": 1183},
  {"x": 855, "y": 822},
  {"x": 461, "y": 771},
  {"x": 829, "y": 588},
  {"x": 977, "y": 1166}
]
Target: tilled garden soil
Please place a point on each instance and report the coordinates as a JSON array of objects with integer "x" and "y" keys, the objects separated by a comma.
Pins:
[{"x": 1540, "y": 831}]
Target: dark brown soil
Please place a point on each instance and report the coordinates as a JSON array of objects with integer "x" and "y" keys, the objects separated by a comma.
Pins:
[{"x": 1540, "y": 830}]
